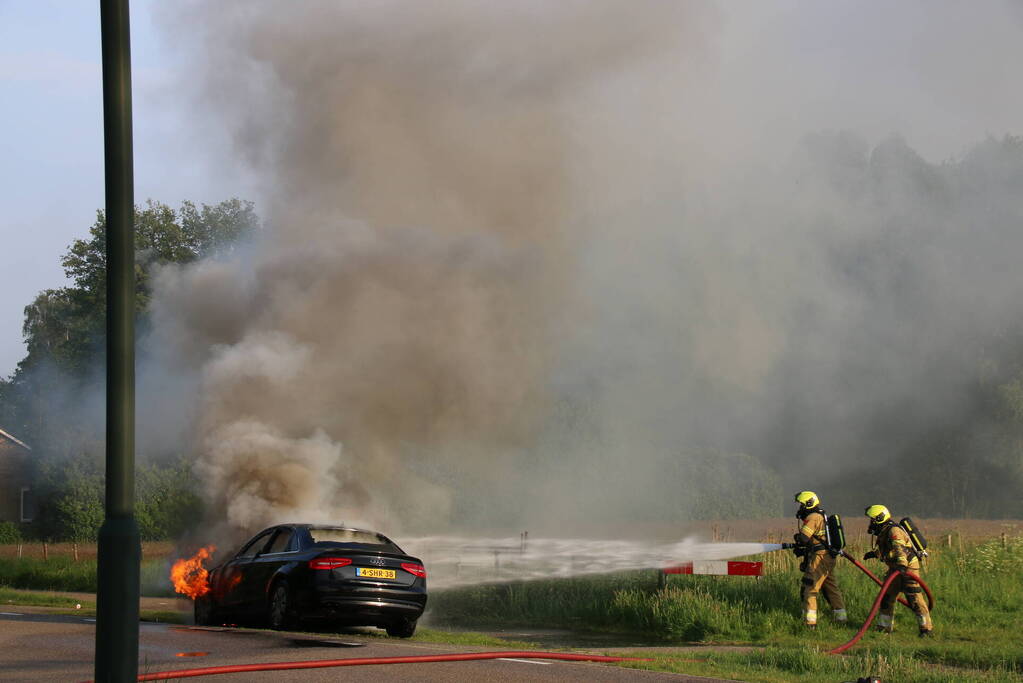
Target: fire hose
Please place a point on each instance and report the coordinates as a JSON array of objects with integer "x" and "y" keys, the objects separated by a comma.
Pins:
[
  {"x": 366, "y": 661},
  {"x": 877, "y": 601},
  {"x": 927, "y": 589}
]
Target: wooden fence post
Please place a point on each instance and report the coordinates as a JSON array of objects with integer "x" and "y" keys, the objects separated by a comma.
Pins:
[
  {"x": 46, "y": 551},
  {"x": 74, "y": 547}
]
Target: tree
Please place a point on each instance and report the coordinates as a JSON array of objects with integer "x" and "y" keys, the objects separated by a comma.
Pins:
[
  {"x": 66, "y": 326},
  {"x": 45, "y": 400}
]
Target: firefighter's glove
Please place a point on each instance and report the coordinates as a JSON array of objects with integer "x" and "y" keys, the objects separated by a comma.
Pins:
[
  {"x": 871, "y": 555},
  {"x": 799, "y": 550}
]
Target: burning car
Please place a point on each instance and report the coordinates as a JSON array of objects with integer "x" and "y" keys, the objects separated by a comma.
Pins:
[{"x": 292, "y": 572}]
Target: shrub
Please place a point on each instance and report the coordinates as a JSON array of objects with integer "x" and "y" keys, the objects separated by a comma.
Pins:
[{"x": 9, "y": 533}]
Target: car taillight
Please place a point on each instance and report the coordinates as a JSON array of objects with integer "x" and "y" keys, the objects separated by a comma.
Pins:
[
  {"x": 415, "y": 569},
  {"x": 329, "y": 562}
]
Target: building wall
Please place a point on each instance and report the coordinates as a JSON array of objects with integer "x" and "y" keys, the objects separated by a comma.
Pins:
[{"x": 14, "y": 476}]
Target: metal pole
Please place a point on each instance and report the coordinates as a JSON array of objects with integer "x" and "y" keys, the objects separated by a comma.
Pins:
[{"x": 117, "y": 602}]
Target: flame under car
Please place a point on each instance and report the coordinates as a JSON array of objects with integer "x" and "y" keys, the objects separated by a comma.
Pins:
[{"x": 295, "y": 572}]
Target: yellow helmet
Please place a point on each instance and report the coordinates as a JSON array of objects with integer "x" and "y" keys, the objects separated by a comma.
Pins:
[
  {"x": 878, "y": 514},
  {"x": 807, "y": 500}
]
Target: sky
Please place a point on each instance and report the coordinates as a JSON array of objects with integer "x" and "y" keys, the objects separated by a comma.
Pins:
[
  {"x": 51, "y": 175},
  {"x": 52, "y": 147}
]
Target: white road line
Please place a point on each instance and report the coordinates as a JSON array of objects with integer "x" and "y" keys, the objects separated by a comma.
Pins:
[
  {"x": 523, "y": 661},
  {"x": 12, "y": 614},
  {"x": 88, "y": 620}
]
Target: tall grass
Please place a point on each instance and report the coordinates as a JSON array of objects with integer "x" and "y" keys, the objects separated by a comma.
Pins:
[
  {"x": 66, "y": 574},
  {"x": 978, "y": 591}
]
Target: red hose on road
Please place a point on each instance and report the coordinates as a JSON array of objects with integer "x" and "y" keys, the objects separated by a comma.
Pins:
[
  {"x": 365, "y": 661},
  {"x": 930, "y": 596},
  {"x": 877, "y": 604}
]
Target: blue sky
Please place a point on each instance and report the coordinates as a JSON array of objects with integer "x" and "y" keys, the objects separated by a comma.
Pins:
[{"x": 52, "y": 145}]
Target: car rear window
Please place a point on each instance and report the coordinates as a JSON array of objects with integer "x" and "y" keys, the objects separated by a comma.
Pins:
[{"x": 352, "y": 536}]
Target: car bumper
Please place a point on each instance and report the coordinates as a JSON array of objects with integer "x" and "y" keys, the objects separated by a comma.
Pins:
[{"x": 362, "y": 607}]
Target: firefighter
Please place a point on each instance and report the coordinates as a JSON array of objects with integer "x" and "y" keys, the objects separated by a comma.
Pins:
[
  {"x": 894, "y": 548},
  {"x": 818, "y": 563}
]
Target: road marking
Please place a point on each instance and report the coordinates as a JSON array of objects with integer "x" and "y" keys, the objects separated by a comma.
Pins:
[
  {"x": 88, "y": 620},
  {"x": 523, "y": 661},
  {"x": 12, "y": 614}
]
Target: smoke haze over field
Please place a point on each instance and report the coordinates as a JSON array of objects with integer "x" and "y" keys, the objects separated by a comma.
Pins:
[{"x": 535, "y": 263}]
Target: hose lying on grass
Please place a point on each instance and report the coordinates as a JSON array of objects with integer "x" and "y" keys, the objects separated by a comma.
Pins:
[
  {"x": 877, "y": 603},
  {"x": 366, "y": 661}
]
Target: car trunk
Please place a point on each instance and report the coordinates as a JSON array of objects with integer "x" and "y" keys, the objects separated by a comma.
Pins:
[{"x": 369, "y": 568}]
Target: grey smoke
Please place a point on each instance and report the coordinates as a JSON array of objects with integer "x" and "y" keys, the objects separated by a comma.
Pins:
[{"x": 528, "y": 260}]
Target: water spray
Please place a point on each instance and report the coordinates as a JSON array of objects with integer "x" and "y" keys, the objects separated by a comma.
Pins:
[{"x": 458, "y": 561}]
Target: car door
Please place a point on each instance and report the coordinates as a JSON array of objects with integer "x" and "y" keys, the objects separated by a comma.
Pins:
[
  {"x": 237, "y": 580},
  {"x": 263, "y": 566}
]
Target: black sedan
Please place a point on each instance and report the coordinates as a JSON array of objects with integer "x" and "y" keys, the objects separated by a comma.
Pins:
[{"x": 292, "y": 572}]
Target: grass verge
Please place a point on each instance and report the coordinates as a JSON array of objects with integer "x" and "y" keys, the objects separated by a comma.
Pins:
[{"x": 13, "y": 597}]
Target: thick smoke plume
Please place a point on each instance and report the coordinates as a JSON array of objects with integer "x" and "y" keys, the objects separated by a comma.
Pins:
[
  {"x": 398, "y": 326},
  {"x": 540, "y": 263}
]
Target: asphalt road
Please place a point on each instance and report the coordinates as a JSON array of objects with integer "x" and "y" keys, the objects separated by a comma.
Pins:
[{"x": 46, "y": 647}]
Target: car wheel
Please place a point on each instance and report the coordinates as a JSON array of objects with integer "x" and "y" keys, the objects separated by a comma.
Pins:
[
  {"x": 403, "y": 628},
  {"x": 206, "y": 612},
  {"x": 281, "y": 613}
]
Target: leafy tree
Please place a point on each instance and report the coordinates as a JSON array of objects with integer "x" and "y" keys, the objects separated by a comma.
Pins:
[
  {"x": 72, "y": 490},
  {"x": 66, "y": 326},
  {"x": 167, "y": 501},
  {"x": 64, "y": 331}
]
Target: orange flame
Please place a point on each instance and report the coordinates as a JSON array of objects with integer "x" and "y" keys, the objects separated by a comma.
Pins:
[{"x": 189, "y": 576}]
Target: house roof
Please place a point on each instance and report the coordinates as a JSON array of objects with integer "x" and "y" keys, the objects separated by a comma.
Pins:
[{"x": 5, "y": 435}]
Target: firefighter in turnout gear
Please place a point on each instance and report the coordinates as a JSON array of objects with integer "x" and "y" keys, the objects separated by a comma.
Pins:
[
  {"x": 896, "y": 550},
  {"x": 818, "y": 563}
]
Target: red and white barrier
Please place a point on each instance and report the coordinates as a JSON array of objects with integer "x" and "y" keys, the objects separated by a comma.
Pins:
[{"x": 718, "y": 568}]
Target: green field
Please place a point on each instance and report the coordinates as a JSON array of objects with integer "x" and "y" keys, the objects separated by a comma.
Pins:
[{"x": 979, "y": 600}]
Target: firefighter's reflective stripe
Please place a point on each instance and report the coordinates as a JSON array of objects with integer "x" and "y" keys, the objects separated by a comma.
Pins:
[
  {"x": 895, "y": 548},
  {"x": 840, "y": 615},
  {"x": 811, "y": 616},
  {"x": 885, "y": 621},
  {"x": 813, "y": 526}
]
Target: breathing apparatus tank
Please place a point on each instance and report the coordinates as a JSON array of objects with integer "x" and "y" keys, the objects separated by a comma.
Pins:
[
  {"x": 834, "y": 534},
  {"x": 915, "y": 536}
]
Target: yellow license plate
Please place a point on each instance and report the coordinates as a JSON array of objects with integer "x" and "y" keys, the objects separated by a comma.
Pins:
[{"x": 374, "y": 573}]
